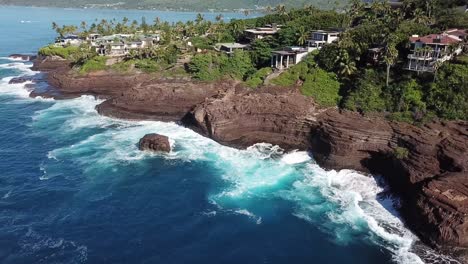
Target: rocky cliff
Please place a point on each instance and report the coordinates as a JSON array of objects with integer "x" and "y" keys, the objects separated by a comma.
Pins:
[
  {"x": 241, "y": 118},
  {"x": 426, "y": 165}
]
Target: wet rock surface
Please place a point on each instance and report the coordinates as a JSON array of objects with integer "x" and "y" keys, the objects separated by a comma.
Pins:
[{"x": 155, "y": 143}]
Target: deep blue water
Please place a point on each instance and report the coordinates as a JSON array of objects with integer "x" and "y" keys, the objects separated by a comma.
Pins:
[{"x": 75, "y": 189}]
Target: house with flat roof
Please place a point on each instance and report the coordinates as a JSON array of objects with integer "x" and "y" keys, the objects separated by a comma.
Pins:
[
  {"x": 122, "y": 44},
  {"x": 287, "y": 57},
  {"x": 261, "y": 32},
  {"x": 229, "y": 48},
  {"x": 69, "y": 40},
  {"x": 318, "y": 38},
  {"x": 429, "y": 51}
]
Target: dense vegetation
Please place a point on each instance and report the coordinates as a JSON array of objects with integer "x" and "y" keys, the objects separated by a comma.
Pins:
[
  {"x": 340, "y": 74},
  {"x": 193, "y": 5}
]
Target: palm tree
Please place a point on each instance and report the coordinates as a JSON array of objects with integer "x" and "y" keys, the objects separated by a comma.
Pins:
[
  {"x": 390, "y": 57},
  {"x": 83, "y": 25},
  {"x": 199, "y": 18},
  {"x": 54, "y": 26},
  {"x": 346, "y": 66},
  {"x": 303, "y": 35},
  {"x": 281, "y": 10}
]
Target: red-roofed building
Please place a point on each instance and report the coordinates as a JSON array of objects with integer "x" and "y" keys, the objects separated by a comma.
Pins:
[{"x": 429, "y": 51}]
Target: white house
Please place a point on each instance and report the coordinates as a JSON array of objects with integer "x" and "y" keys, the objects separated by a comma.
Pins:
[
  {"x": 318, "y": 38},
  {"x": 72, "y": 40},
  {"x": 261, "y": 32},
  {"x": 428, "y": 51},
  {"x": 283, "y": 59}
]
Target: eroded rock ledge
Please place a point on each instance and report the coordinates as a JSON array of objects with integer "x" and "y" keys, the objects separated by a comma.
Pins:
[{"x": 427, "y": 166}]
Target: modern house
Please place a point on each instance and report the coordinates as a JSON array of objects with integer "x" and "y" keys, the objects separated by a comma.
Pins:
[
  {"x": 427, "y": 52},
  {"x": 69, "y": 40},
  {"x": 122, "y": 44},
  {"x": 261, "y": 32},
  {"x": 283, "y": 59},
  {"x": 229, "y": 48},
  {"x": 318, "y": 38}
]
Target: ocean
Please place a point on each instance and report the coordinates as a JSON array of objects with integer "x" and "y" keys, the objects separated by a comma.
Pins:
[{"x": 74, "y": 188}]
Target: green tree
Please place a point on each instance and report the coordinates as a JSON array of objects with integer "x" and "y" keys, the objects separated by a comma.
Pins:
[
  {"x": 323, "y": 86},
  {"x": 448, "y": 96},
  {"x": 260, "y": 52},
  {"x": 367, "y": 94}
]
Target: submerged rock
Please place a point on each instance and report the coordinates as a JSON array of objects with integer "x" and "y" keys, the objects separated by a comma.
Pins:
[{"x": 155, "y": 142}]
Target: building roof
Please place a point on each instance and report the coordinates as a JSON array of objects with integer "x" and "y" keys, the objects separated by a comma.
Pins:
[
  {"x": 291, "y": 51},
  {"x": 233, "y": 45},
  {"x": 443, "y": 39},
  {"x": 326, "y": 31},
  {"x": 461, "y": 33},
  {"x": 260, "y": 31}
]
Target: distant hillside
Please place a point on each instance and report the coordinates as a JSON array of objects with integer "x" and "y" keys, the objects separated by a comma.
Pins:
[{"x": 195, "y": 5}]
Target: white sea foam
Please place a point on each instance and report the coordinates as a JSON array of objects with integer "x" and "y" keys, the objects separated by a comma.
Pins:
[
  {"x": 257, "y": 219},
  {"x": 68, "y": 251},
  {"x": 12, "y": 59},
  {"x": 23, "y": 68}
]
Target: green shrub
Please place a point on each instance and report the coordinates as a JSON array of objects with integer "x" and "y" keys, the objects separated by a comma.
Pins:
[
  {"x": 258, "y": 77},
  {"x": 401, "y": 153},
  {"x": 323, "y": 87},
  {"x": 206, "y": 67},
  {"x": 367, "y": 94},
  {"x": 147, "y": 65},
  {"x": 63, "y": 52},
  {"x": 123, "y": 66},
  {"x": 406, "y": 117},
  {"x": 97, "y": 63},
  {"x": 292, "y": 75}
]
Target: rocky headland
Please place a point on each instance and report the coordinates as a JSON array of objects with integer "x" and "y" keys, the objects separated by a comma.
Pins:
[{"x": 427, "y": 165}]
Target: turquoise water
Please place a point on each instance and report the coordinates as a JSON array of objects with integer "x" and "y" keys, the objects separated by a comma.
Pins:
[{"x": 75, "y": 189}]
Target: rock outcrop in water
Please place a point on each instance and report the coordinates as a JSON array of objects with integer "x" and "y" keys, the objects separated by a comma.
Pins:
[
  {"x": 155, "y": 143},
  {"x": 427, "y": 165}
]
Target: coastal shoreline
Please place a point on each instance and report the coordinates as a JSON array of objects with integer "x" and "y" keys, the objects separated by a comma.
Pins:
[{"x": 339, "y": 140}]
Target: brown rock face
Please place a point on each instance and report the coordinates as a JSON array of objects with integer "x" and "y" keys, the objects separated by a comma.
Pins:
[
  {"x": 99, "y": 83},
  {"x": 47, "y": 64},
  {"x": 162, "y": 100},
  {"x": 440, "y": 207},
  {"x": 155, "y": 142},
  {"x": 242, "y": 118},
  {"x": 427, "y": 166}
]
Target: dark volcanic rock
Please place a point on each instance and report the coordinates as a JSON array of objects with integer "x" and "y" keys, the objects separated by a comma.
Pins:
[
  {"x": 21, "y": 79},
  {"x": 162, "y": 100},
  {"x": 47, "y": 64},
  {"x": 440, "y": 207},
  {"x": 430, "y": 173},
  {"x": 155, "y": 142},
  {"x": 242, "y": 118}
]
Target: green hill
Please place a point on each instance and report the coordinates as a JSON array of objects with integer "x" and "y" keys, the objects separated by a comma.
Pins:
[{"x": 195, "y": 5}]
